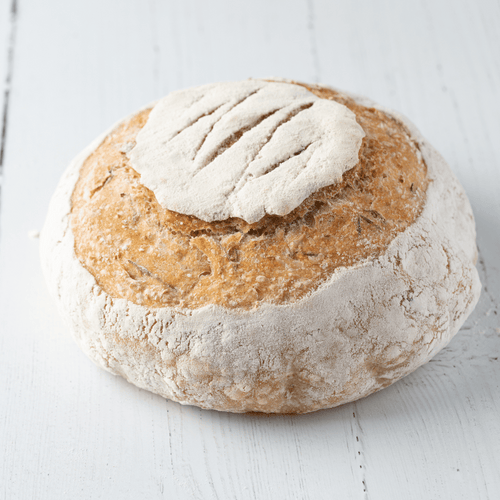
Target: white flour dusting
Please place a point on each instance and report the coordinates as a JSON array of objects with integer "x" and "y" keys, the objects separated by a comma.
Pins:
[
  {"x": 244, "y": 149},
  {"x": 366, "y": 327}
]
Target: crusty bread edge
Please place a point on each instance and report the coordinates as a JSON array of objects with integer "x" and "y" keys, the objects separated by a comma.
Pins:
[{"x": 366, "y": 327}]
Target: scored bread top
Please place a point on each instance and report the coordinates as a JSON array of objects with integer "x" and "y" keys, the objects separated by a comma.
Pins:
[
  {"x": 155, "y": 257},
  {"x": 244, "y": 149}
]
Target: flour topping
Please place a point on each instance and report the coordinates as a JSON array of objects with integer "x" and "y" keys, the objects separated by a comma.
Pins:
[{"x": 244, "y": 149}]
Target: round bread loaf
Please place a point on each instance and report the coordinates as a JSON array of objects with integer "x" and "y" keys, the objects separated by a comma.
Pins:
[{"x": 261, "y": 245}]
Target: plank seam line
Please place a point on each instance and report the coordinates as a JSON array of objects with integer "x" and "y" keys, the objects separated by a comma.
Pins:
[
  {"x": 359, "y": 450},
  {"x": 311, "y": 27},
  {"x": 8, "y": 83}
]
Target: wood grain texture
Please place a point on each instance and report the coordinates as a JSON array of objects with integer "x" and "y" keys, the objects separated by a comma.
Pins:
[
  {"x": 69, "y": 430},
  {"x": 8, "y": 31}
]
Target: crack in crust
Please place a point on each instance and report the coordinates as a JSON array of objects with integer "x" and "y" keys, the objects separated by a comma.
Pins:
[
  {"x": 235, "y": 105},
  {"x": 119, "y": 225},
  {"x": 235, "y": 137}
]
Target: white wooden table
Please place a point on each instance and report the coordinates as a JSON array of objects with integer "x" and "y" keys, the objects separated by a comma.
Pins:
[{"x": 70, "y": 68}]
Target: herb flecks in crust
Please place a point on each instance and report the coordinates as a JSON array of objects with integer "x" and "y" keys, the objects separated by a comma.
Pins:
[{"x": 154, "y": 257}]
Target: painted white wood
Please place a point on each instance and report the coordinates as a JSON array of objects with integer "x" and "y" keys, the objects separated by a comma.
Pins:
[
  {"x": 7, "y": 38},
  {"x": 4, "y": 43},
  {"x": 69, "y": 430}
]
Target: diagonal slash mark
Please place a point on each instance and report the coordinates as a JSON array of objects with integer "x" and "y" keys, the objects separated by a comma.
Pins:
[
  {"x": 196, "y": 120},
  {"x": 236, "y": 136},
  {"x": 272, "y": 168},
  {"x": 288, "y": 118},
  {"x": 237, "y": 188},
  {"x": 220, "y": 118}
]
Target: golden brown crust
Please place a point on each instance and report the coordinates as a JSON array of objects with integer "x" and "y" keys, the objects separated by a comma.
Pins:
[{"x": 154, "y": 257}]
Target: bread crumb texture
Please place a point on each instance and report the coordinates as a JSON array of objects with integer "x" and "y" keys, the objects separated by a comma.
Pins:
[{"x": 155, "y": 257}]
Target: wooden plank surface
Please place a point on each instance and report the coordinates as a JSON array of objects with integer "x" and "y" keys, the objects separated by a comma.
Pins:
[
  {"x": 8, "y": 25},
  {"x": 69, "y": 430}
]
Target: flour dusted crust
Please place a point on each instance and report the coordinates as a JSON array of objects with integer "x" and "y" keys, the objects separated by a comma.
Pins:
[
  {"x": 152, "y": 256},
  {"x": 244, "y": 149},
  {"x": 357, "y": 329}
]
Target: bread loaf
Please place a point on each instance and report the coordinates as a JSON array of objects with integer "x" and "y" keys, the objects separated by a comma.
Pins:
[{"x": 263, "y": 246}]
